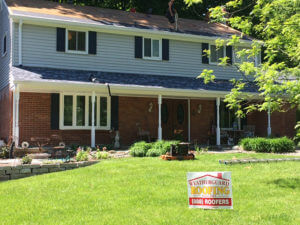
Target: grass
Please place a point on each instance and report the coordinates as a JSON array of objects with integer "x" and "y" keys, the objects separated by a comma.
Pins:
[{"x": 152, "y": 191}]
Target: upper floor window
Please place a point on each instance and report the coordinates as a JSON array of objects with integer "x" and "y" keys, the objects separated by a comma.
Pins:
[
  {"x": 4, "y": 45},
  {"x": 152, "y": 48},
  {"x": 77, "y": 41},
  {"x": 76, "y": 112},
  {"x": 216, "y": 54},
  {"x": 242, "y": 58}
]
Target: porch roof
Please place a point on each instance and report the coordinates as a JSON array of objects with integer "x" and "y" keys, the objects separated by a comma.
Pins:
[{"x": 38, "y": 74}]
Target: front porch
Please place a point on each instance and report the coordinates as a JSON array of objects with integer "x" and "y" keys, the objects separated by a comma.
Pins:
[{"x": 102, "y": 108}]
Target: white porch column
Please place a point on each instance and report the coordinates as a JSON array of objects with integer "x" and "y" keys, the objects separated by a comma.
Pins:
[
  {"x": 17, "y": 100},
  {"x": 269, "y": 122},
  {"x": 93, "y": 121},
  {"x": 159, "y": 118},
  {"x": 189, "y": 120},
  {"x": 218, "y": 132}
]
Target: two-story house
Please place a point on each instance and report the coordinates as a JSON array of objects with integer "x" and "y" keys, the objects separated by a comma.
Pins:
[{"x": 75, "y": 73}]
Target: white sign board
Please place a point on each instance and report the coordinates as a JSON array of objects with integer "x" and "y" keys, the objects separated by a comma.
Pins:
[{"x": 210, "y": 190}]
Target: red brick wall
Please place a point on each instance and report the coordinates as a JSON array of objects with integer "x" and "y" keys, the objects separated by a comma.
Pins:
[
  {"x": 35, "y": 121},
  {"x": 201, "y": 124},
  {"x": 282, "y": 123},
  {"x": 134, "y": 110},
  {"x": 6, "y": 115},
  {"x": 35, "y": 117}
]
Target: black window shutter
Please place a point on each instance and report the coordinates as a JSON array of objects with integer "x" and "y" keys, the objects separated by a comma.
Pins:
[
  {"x": 92, "y": 42},
  {"x": 54, "y": 111},
  {"x": 115, "y": 112},
  {"x": 165, "y": 49},
  {"x": 60, "y": 39},
  {"x": 138, "y": 47},
  {"x": 229, "y": 54},
  {"x": 204, "y": 55}
]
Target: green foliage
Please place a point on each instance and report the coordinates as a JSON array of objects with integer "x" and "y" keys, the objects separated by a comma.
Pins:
[
  {"x": 270, "y": 145},
  {"x": 201, "y": 150},
  {"x": 102, "y": 155},
  {"x": 164, "y": 146},
  {"x": 26, "y": 160},
  {"x": 139, "y": 149},
  {"x": 153, "y": 152},
  {"x": 4, "y": 152},
  {"x": 82, "y": 156}
]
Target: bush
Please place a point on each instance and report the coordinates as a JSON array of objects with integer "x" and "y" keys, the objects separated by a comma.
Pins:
[
  {"x": 164, "y": 146},
  {"x": 102, "y": 155},
  {"x": 275, "y": 145},
  {"x": 140, "y": 149},
  {"x": 82, "y": 156},
  {"x": 26, "y": 160},
  {"x": 152, "y": 152},
  {"x": 4, "y": 152}
]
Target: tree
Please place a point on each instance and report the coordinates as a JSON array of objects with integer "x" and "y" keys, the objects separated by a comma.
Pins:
[{"x": 277, "y": 24}]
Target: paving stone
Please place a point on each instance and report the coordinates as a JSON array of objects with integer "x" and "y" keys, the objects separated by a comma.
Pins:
[
  {"x": 40, "y": 170},
  {"x": 25, "y": 170},
  {"x": 4, "y": 178},
  {"x": 2, "y": 172},
  {"x": 17, "y": 176},
  {"x": 50, "y": 166},
  {"x": 5, "y": 168},
  {"x": 69, "y": 165},
  {"x": 56, "y": 169},
  {"x": 13, "y": 171}
]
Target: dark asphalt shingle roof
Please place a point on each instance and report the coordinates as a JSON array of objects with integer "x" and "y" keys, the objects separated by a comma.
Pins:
[{"x": 124, "y": 79}]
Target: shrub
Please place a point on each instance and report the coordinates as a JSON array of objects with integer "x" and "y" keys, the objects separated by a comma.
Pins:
[
  {"x": 26, "y": 160},
  {"x": 82, "y": 156},
  {"x": 153, "y": 152},
  {"x": 140, "y": 149},
  {"x": 275, "y": 145},
  {"x": 164, "y": 146},
  {"x": 4, "y": 152},
  {"x": 102, "y": 155}
]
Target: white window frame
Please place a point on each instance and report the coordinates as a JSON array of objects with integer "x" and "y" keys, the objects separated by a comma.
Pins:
[
  {"x": 209, "y": 58},
  {"x": 160, "y": 49},
  {"x": 235, "y": 59},
  {"x": 86, "y": 41},
  {"x": 2, "y": 42},
  {"x": 74, "y": 119}
]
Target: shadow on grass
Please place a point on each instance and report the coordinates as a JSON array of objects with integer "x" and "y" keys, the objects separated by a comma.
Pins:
[{"x": 293, "y": 183}]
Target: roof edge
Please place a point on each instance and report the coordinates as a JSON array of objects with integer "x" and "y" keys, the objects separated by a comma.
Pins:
[{"x": 37, "y": 20}]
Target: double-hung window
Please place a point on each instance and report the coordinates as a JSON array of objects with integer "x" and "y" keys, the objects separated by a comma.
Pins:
[
  {"x": 77, "y": 41},
  {"x": 216, "y": 53},
  {"x": 152, "y": 48},
  {"x": 76, "y": 112},
  {"x": 240, "y": 58}
]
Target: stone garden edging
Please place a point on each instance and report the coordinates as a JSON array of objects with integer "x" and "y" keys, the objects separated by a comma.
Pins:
[{"x": 21, "y": 171}]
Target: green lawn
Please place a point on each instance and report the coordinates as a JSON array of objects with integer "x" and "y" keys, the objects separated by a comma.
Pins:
[{"x": 152, "y": 191}]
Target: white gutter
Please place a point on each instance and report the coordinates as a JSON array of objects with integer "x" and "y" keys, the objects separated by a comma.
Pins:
[
  {"x": 117, "y": 89},
  {"x": 115, "y": 29}
]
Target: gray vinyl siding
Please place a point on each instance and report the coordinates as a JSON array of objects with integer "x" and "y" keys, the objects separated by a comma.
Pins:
[
  {"x": 4, "y": 60},
  {"x": 115, "y": 53}
]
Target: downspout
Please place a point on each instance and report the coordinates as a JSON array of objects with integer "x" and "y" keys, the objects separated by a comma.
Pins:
[
  {"x": 20, "y": 41},
  {"x": 108, "y": 88}
]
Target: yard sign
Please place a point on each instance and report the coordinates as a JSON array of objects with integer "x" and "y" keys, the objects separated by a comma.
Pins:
[{"x": 210, "y": 190}]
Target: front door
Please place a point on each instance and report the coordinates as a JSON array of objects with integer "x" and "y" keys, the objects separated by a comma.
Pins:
[{"x": 174, "y": 119}]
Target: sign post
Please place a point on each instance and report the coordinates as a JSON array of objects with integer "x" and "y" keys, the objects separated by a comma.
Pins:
[{"x": 210, "y": 190}]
